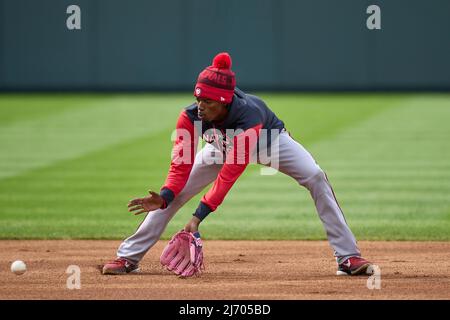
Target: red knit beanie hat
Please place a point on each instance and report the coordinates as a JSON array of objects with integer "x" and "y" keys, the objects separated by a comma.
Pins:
[{"x": 217, "y": 81}]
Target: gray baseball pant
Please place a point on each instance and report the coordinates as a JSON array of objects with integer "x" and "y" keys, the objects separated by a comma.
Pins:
[{"x": 294, "y": 161}]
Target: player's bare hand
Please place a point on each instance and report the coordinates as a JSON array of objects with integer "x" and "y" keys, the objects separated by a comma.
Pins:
[{"x": 149, "y": 203}]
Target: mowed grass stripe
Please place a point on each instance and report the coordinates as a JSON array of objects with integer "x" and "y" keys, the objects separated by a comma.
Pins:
[
  {"x": 118, "y": 170},
  {"x": 36, "y": 142},
  {"x": 22, "y": 107},
  {"x": 397, "y": 136},
  {"x": 314, "y": 117}
]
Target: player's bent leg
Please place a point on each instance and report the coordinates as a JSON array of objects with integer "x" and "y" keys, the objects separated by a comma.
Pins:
[
  {"x": 133, "y": 249},
  {"x": 339, "y": 234},
  {"x": 295, "y": 161}
]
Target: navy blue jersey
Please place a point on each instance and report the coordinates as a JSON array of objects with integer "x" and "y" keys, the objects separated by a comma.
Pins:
[{"x": 244, "y": 112}]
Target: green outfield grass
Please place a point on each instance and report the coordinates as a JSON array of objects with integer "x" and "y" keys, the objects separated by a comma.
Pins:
[{"x": 69, "y": 163}]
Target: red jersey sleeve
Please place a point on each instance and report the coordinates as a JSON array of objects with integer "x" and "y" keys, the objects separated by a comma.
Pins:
[{"x": 183, "y": 155}]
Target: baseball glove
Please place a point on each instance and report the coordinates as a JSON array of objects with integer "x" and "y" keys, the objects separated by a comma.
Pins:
[{"x": 183, "y": 255}]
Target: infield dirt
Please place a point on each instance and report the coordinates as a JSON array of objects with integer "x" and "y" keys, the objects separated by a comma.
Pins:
[{"x": 234, "y": 270}]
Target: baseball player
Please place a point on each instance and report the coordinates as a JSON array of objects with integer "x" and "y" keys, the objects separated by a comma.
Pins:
[{"x": 233, "y": 124}]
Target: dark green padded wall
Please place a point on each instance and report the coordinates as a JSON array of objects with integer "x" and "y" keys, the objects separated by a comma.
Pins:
[{"x": 275, "y": 44}]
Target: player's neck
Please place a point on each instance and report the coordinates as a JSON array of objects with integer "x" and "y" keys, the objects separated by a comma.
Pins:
[{"x": 222, "y": 116}]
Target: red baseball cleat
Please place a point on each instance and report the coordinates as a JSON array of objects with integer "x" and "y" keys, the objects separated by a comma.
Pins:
[
  {"x": 120, "y": 266},
  {"x": 353, "y": 266}
]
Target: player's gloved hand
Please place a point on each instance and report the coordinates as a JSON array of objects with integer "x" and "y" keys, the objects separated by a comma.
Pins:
[
  {"x": 151, "y": 202},
  {"x": 183, "y": 255}
]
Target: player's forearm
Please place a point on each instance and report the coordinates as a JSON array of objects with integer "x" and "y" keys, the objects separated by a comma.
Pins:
[{"x": 192, "y": 225}]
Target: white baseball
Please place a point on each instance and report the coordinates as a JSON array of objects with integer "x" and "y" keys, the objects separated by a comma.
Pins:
[{"x": 18, "y": 267}]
